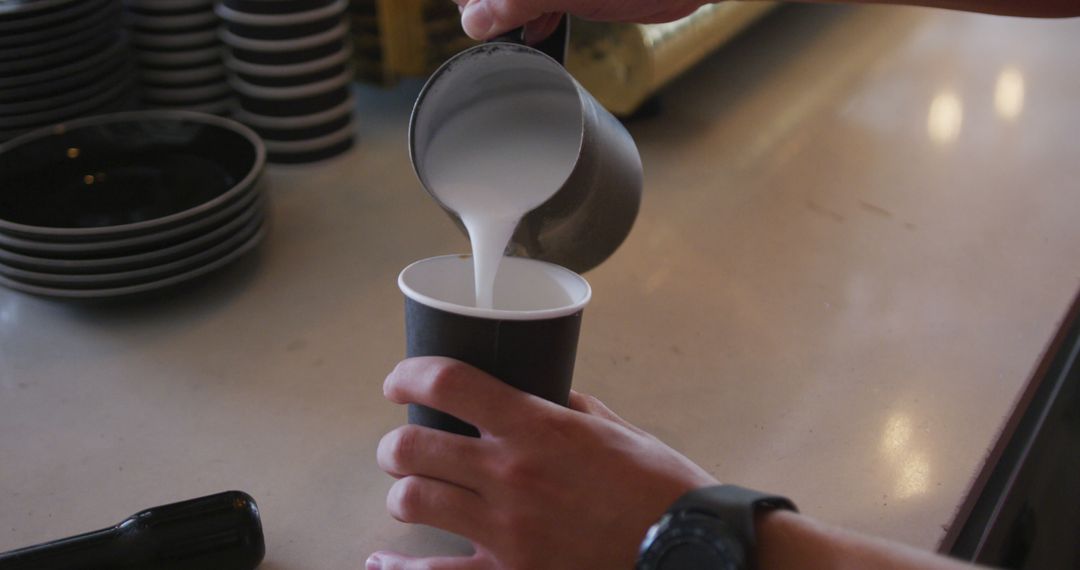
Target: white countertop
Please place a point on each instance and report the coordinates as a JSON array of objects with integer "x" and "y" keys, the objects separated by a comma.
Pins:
[{"x": 855, "y": 243}]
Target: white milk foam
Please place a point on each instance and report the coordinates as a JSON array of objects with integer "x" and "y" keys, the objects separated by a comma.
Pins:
[{"x": 496, "y": 161}]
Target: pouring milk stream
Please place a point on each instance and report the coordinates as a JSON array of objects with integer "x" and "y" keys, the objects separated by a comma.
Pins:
[
  {"x": 513, "y": 147},
  {"x": 496, "y": 162}
]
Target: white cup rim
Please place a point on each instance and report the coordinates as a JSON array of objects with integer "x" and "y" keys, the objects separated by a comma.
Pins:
[{"x": 498, "y": 314}]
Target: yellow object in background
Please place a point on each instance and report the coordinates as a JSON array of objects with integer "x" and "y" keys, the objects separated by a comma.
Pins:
[
  {"x": 418, "y": 35},
  {"x": 622, "y": 65}
]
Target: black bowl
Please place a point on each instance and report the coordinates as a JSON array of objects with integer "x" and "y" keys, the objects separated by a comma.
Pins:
[
  {"x": 124, "y": 174},
  {"x": 140, "y": 289},
  {"x": 151, "y": 272},
  {"x": 209, "y": 236},
  {"x": 103, "y": 247}
]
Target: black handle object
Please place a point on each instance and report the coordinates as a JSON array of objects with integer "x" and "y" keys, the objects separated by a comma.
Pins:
[
  {"x": 218, "y": 532},
  {"x": 554, "y": 45}
]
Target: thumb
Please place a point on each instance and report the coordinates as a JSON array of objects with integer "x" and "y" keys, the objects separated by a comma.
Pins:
[{"x": 485, "y": 19}]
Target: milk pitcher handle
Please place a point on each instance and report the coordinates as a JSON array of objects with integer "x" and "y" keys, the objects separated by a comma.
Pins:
[{"x": 554, "y": 45}]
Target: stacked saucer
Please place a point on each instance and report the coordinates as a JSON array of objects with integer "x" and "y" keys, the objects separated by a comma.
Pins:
[
  {"x": 60, "y": 59},
  {"x": 288, "y": 62},
  {"x": 367, "y": 42},
  {"x": 179, "y": 54},
  {"x": 126, "y": 203}
]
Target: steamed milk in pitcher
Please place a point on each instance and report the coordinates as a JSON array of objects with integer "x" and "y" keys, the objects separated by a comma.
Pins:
[{"x": 496, "y": 161}]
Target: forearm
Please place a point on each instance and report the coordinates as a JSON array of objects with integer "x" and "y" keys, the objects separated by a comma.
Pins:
[
  {"x": 788, "y": 540},
  {"x": 1028, "y": 8}
]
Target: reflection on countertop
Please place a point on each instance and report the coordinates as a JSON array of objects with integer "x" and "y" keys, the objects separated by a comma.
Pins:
[{"x": 858, "y": 234}]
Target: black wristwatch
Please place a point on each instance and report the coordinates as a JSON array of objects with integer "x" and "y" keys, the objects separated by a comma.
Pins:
[{"x": 708, "y": 529}]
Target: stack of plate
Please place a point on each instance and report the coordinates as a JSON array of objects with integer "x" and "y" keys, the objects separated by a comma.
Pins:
[
  {"x": 179, "y": 54},
  {"x": 289, "y": 64},
  {"x": 364, "y": 28},
  {"x": 127, "y": 203},
  {"x": 60, "y": 59}
]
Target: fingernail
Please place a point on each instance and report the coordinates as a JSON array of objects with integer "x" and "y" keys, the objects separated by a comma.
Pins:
[
  {"x": 477, "y": 19},
  {"x": 373, "y": 563}
]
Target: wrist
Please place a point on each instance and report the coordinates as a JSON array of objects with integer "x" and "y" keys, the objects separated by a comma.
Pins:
[
  {"x": 791, "y": 540},
  {"x": 777, "y": 531}
]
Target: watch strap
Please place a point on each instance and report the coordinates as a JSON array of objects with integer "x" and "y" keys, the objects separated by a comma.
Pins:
[{"x": 737, "y": 507}]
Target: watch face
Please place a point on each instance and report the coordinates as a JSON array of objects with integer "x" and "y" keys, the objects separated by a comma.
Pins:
[
  {"x": 694, "y": 555},
  {"x": 691, "y": 541}
]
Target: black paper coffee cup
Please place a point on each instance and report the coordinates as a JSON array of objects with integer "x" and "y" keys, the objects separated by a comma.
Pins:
[{"x": 528, "y": 340}]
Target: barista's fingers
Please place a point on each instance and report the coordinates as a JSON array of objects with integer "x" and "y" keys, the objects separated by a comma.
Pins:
[
  {"x": 419, "y": 500},
  {"x": 418, "y": 450},
  {"x": 485, "y": 19},
  {"x": 453, "y": 387},
  {"x": 539, "y": 29}
]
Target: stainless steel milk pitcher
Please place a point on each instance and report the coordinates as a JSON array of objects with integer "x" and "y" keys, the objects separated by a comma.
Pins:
[{"x": 591, "y": 214}]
